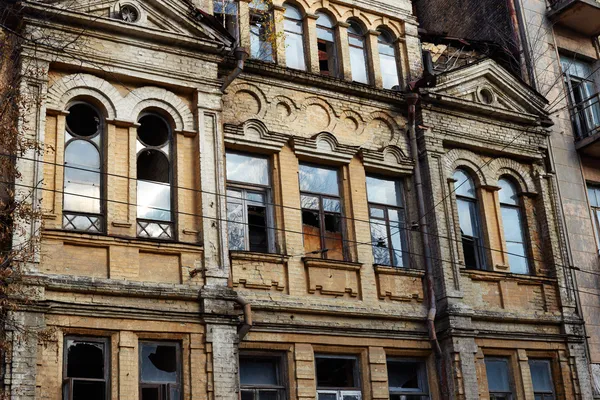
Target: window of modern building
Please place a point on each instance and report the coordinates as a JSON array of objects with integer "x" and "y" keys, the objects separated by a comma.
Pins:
[
  {"x": 337, "y": 378},
  {"x": 321, "y": 211},
  {"x": 294, "y": 38},
  {"x": 85, "y": 369},
  {"x": 262, "y": 377},
  {"x": 468, "y": 218},
  {"x": 261, "y": 31},
  {"x": 541, "y": 378},
  {"x": 583, "y": 95},
  {"x": 249, "y": 213},
  {"x": 358, "y": 53},
  {"x": 499, "y": 380},
  {"x": 594, "y": 197},
  {"x": 512, "y": 221},
  {"x": 226, "y": 12},
  {"x": 387, "y": 60},
  {"x": 328, "y": 60},
  {"x": 407, "y": 379},
  {"x": 388, "y": 227},
  {"x": 154, "y": 178},
  {"x": 82, "y": 190},
  {"x": 160, "y": 371}
]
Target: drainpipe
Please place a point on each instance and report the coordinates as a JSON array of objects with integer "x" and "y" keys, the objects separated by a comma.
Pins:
[
  {"x": 240, "y": 57},
  {"x": 247, "y": 324},
  {"x": 412, "y": 99}
]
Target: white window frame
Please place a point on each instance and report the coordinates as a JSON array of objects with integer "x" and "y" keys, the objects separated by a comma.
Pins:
[{"x": 341, "y": 393}]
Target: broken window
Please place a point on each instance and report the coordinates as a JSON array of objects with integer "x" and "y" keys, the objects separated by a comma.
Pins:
[
  {"x": 321, "y": 204},
  {"x": 154, "y": 178},
  {"x": 160, "y": 371},
  {"x": 261, "y": 377},
  {"x": 85, "y": 371},
  {"x": 388, "y": 226},
  {"x": 499, "y": 381},
  {"x": 226, "y": 12},
  {"x": 512, "y": 222},
  {"x": 541, "y": 378},
  {"x": 387, "y": 60},
  {"x": 82, "y": 189},
  {"x": 594, "y": 198},
  {"x": 337, "y": 378},
  {"x": 262, "y": 36},
  {"x": 407, "y": 380},
  {"x": 358, "y": 53},
  {"x": 249, "y": 212},
  {"x": 468, "y": 218},
  {"x": 294, "y": 38},
  {"x": 328, "y": 64}
]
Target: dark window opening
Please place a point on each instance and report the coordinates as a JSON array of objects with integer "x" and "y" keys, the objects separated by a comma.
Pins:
[
  {"x": 261, "y": 377},
  {"x": 160, "y": 371},
  {"x": 257, "y": 221},
  {"x": 85, "y": 372},
  {"x": 153, "y": 131},
  {"x": 83, "y": 120},
  {"x": 470, "y": 252},
  {"x": 407, "y": 380},
  {"x": 335, "y": 373},
  {"x": 326, "y": 58},
  {"x": 153, "y": 166}
]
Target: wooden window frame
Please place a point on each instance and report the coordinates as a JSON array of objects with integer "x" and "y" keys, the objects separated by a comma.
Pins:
[
  {"x": 67, "y": 383},
  {"x": 341, "y": 392},
  {"x": 509, "y": 395},
  {"x": 545, "y": 394},
  {"x": 281, "y": 389}
]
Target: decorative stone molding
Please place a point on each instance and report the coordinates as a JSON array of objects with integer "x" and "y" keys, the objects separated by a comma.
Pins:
[
  {"x": 332, "y": 278},
  {"x": 399, "y": 284},
  {"x": 74, "y": 86},
  {"x": 254, "y": 133},
  {"x": 324, "y": 146},
  {"x": 505, "y": 166},
  {"x": 259, "y": 271},
  {"x": 389, "y": 159}
]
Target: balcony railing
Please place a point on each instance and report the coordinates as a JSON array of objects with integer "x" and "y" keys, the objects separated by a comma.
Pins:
[
  {"x": 582, "y": 16},
  {"x": 585, "y": 116}
]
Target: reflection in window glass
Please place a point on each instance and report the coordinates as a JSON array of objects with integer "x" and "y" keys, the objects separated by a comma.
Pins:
[
  {"x": 498, "y": 376},
  {"x": 160, "y": 370},
  {"x": 358, "y": 54},
  {"x": 513, "y": 227},
  {"x": 261, "y": 377},
  {"x": 468, "y": 218},
  {"x": 226, "y": 12},
  {"x": 541, "y": 378},
  {"x": 247, "y": 169},
  {"x": 387, "y": 60},
  {"x": 594, "y": 198},
  {"x": 261, "y": 28},
  {"x": 294, "y": 39}
]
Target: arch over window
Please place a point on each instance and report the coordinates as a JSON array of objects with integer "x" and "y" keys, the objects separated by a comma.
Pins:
[
  {"x": 154, "y": 177},
  {"x": 387, "y": 60},
  {"x": 328, "y": 58},
  {"x": 512, "y": 221},
  {"x": 469, "y": 221},
  {"x": 358, "y": 53},
  {"x": 294, "y": 37},
  {"x": 83, "y": 168}
]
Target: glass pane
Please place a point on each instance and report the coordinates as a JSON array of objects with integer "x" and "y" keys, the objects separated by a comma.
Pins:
[
  {"x": 389, "y": 70},
  {"x": 83, "y": 179},
  {"x": 159, "y": 362},
  {"x": 397, "y": 236},
  {"x": 540, "y": 376},
  {"x": 153, "y": 201},
  {"x": 384, "y": 191},
  {"x": 464, "y": 185},
  {"x": 309, "y": 202},
  {"x": 511, "y": 221},
  {"x": 466, "y": 212},
  {"x": 85, "y": 359},
  {"x": 236, "y": 226},
  {"x": 324, "y": 20},
  {"x": 255, "y": 197},
  {"x": 358, "y": 63},
  {"x": 377, "y": 212},
  {"x": 247, "y": 395},
  {"x": 325, "y": 34},
  {"x": 332, "y": 205},
  {"x": 517, "y": 258},
  {"x": 292, "y": 12},
  {"x": 333, "y": 237},
  {"x": 258, "y": 371},
  {"x": 318, "y": 180},
  {"x": 594, "y": 195},
  {"x": 260, "y": 46},
  {"x": 83, "y": 390},
  {"x": 497, "y": 375},
  {"x": 350, "y": 397},
  {"x": 248, "y": 169},
  {"x": 225, "y": 7},
  {"x": 174, "y": 392},
  {"x": 404, "y": 375},
  {"x": 257, "y": 229},
  {"x": 267, "y": 395},
  {"x": 336, "y": 372},
  {"x": 379, "y": 237},
  {"x": 327, "y": 396},
  {"x": 508, "y": 192},
  {"x": 294, "y": 48}
]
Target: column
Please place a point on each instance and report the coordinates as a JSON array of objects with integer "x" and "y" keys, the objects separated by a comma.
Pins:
[
  {"x": 128, "y": 365},
  {"x": 373, "y": 56},
  {"x": 222, "y": 344},
  {"x": 278, "y": 17},
  {"x": 305, "y": 371},
  {"x": 343, "y": 50},
  {"x": 244, "y": 24},
  {"x": 310, "y": 43}
]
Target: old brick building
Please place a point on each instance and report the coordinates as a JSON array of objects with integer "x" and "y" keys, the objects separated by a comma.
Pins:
[{"x": 293, "y": 226}]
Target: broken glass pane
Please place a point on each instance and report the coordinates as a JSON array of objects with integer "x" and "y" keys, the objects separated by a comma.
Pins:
[
  {"x": 85, "y": 359},
  {"x": 159, "y": 362}
]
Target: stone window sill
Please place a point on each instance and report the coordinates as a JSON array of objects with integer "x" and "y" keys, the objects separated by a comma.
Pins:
[
  {"x": 274, "y": 258},
  {"x": 388, "y": 270},
  {"x": 500, "y": 276},
  {"x": 333, "y": 264}
]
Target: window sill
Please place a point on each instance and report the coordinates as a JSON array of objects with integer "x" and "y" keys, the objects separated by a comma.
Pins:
[
  {"x": 499, "y": 276},
  {"x": 273, "y": 258},
  {"x": 389, "y": 270},
  {"x": 333, "y": 264}
]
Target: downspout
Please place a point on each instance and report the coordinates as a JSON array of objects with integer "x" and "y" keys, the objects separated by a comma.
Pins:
[
  {"x": 244, "y": 328},
  {"x": 412, "y": 99},
  {"x": 240, "y": 57}
]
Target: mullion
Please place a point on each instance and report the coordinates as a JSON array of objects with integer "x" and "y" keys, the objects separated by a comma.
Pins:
[
  {"x": 388, "y": 227},
  {"x": 322, "y": 227}
]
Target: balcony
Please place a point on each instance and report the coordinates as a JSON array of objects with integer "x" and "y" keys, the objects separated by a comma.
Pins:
[
  {"x": 585, "y": 116},
  {"x": 582, "y": 16}
]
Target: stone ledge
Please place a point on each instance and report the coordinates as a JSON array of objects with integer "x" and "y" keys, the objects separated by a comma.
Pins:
[
  {"x": 387, "y": 270},
  {"x": 496, "y": 276},
  {"x": 259, "y": 257},
  {"x": 333, "y": 264}
]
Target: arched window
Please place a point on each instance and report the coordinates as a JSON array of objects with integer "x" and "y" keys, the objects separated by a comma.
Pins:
[
  {"x": 513, "y": 227},
  {"x": 82, "y": 189},
  {"x": 328, "y": 64},
  {"x": 358, "y": 53},
  {"x": 294, "y": 38},
  {"x": 261, "y": 28},
  {"x": 387, "y": 60},
  {"x": 468, "y": 218},
  {"x": 154, "y": 177}
]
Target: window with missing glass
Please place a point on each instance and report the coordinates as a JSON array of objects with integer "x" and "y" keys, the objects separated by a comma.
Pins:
[
  {"x": 262, "y": 377},
  {"x": 83, "y": 188},
  {"x": 262, "y": 35},
  {"x": 514, "y": 233},
  {"x": 594, "y": 198},
  {"x": 468, "y": 218},
  {"x": 226, "y": 12},
  {"x": 358, "y": 53},
  {"x": 499, "y": 379},
  {"x": 387, "y": 60},
  {"x": 160, "y": 371},
  {"x": 328, "y": 59},
  {"x": 407, "y": 379},
  {"x": 154, "y": 178},
  {"x": 293, "y": 26},
  {"x": 249, "y": 211},
  {"x": 86, "y": 369},
  {"x": 337, "y": 377},
  {"x": 321, "y": 203},
  {"x": 541, "y": 378},
  {"x": 388, "y": 227}
]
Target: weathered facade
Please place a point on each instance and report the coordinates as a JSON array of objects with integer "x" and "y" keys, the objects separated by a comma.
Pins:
[{"x": 308, "y": 198}]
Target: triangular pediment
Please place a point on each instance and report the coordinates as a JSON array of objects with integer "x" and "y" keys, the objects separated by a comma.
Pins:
[
  {"x": 175, "y": 17},
  {"x": 486, "y": 85}
]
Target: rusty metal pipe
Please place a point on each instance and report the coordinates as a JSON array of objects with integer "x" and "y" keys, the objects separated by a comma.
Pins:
[
  {"x": 240, "y": 57},
  {"x": 247, "y": 324}
]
